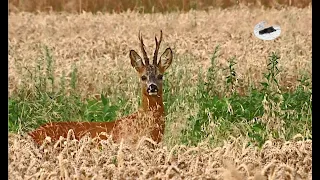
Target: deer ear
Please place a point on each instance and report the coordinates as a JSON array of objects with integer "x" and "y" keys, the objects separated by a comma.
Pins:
[
  {"x": 136, "y": 60},
  {"x": 165, "y": 59}
]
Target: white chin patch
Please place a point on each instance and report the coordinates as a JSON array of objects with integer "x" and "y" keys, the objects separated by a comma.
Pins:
[{"x": 153, "y": 93}]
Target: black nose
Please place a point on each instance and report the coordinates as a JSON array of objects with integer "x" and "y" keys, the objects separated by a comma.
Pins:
[{"x": 152, "y": 88}]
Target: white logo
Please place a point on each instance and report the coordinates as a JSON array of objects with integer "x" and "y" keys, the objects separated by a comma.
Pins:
[{"x": 266, "y": 33}]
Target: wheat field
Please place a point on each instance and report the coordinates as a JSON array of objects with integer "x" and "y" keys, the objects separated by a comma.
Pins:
[
  {"x": 99, "y": 44},
  {"x": 71, "y": 159}
]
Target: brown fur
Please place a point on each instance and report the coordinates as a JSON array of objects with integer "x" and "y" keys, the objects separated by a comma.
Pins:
[{"x": 148, "y": 121}]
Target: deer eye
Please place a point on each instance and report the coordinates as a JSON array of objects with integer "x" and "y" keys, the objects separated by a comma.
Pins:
[
  {"x": 160, "y": 76},
  {"x": 143, "y": 78}
]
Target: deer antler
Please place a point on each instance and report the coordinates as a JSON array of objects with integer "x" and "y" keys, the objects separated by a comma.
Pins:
[
  {"x": 145, "y": 57},
  {"x": 157, "y": 48}
]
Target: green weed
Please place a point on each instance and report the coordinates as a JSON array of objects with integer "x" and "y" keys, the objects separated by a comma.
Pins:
[
  {"x": 209, "y": 113},
  {"x": 261, "y": 114}
]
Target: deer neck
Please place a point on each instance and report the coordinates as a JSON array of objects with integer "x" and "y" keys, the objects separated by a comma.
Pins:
[{"x": 153, "y": 103}]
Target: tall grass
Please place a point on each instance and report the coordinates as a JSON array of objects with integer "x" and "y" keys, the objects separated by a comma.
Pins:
[
  {"x": 207, "y": 112},
  {"x": 263, "y": 113}
]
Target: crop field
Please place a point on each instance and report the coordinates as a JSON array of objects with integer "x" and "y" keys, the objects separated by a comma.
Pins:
[{"x": 237, "y": 107}]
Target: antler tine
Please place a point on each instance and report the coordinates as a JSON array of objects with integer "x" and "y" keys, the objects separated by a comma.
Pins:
[
  {"x": 156, "y": 51},
  {"x": 145, "y": 57}
]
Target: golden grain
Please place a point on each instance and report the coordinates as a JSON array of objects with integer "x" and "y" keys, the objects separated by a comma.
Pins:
[
  {"x": 99, "y": 45},
  {"x": 234, "y": 160}
]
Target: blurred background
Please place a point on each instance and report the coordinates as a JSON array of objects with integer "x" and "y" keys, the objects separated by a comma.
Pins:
[{"x": 146, "y": 6}]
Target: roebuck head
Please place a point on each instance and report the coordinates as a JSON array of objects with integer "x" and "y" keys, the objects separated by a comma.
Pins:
[{"x": 151, "y": 75}]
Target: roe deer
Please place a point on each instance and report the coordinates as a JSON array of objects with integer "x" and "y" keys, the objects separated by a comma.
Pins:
[{"x": 152, "y": 105}]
